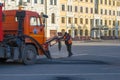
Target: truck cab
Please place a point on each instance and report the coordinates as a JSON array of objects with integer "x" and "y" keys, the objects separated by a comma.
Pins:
[
  {"x": 23, "y": 36},
  {"x": 32, "y": 24}
]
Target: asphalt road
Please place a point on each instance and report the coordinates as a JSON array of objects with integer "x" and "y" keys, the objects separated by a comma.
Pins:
[{"x": 91, "y": 61}]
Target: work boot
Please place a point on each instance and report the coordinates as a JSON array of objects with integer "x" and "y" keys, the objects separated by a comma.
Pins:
[{"x": 70, "y": 55}]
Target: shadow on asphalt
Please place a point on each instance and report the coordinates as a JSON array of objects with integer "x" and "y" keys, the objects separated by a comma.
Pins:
[
  {"x": 63, "y": 78},
  {"x": 11, "y": 63},
  {"x": 67, "y": 78},
  {"x": 58, "y": 61}
]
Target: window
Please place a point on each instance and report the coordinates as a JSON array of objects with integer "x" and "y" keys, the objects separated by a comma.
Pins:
[
  {"x": 96, "y": 6},
  {"x": 53, "y": 18},
  {"x": 96, "y": 21},
  {"x": 51, "y": 2},
  {"x": 86, "y": 32},
  {"x": 71, "y": 8},
  {"x": 105, "y": 22},
  {"x": 81, "y": 20},
  {"x": 86, "y": 10},
  {"x": 76, "y": 9},
  {"x": 117, "y": 13},
  {"x": 91, "y": 22},
  {"x": 86, "y": 0},
  {"x": 109, "y": 12},
  {"x": 20, "y": 2},
  {"x": 55, "y": 2},
  {"x": 86, "y": 21},
  {"x": 101, "y": 1},
  {"x": 75, "y": 20},
  {"x": 101, "y": 11},
  {"x": 63, "y": 7},
  {"x": 109, "y": 2},
  {"x": 91, "y": 10},
  {"x": 113, "y": 32},
  {"x": 68, "y": 8},
  {"x": 113, "y": 23},
  {"x": 105, "y": 1},
  {"x": 33, "y": 21},
  {"x": 113, "y": 12},
  {"x": 109, "y": 32},
  {"x": 105, "y": 12},
  {"x": 35, "y": 1},
  {"x": 69, "y": 20},
  {"x": 101, "y": 22},
  {"x": 91, "y": 1},
  {"x": 28, "y": 1},
  {"x": 42, "y": 2},
  {"x": 113, "y": 3},
  {"x": 81, "y": 9},
  {"x": 119, "y": 23},
  {"x": 81, "y": 32},
  {"x": 63, "y": 20},
  {"x": 76, "y": 32},
  {"x": 109, "y": 22}
]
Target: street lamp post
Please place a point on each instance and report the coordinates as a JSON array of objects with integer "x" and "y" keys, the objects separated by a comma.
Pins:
[
  {"x": 46, "y": 19},
  {"x": 79, "y": 27},
  {"x": 116, "y": 27},
  {"x": 72, "y": 28},
  {"x": 56, "y": 29}
]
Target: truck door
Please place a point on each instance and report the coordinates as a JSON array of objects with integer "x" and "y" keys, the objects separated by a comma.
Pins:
[{"x": 36, "y": 29}]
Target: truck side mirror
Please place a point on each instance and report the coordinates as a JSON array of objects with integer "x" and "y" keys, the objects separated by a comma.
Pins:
[{"x": 45, "y": 16}]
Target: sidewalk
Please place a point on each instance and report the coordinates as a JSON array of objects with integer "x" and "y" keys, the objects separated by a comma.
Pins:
[{"x": 97, "y": 43}]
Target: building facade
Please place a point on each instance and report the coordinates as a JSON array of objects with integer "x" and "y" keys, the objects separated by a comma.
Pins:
[
  {"x": 49, "y": 7},
  {"x": 90, "y": 18},
  {"x": 83, "y": 19}
]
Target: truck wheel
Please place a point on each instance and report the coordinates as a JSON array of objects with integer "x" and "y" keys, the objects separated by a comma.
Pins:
[
  {"x": 3, "y": 60},
  {"x": 29, "y": 54}
]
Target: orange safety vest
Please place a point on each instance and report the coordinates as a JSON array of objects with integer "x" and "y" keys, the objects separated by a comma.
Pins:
[{"x": 69, "y": 41}]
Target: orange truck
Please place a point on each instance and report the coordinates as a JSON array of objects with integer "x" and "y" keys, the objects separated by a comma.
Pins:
[{"x": 22, "y": 36}]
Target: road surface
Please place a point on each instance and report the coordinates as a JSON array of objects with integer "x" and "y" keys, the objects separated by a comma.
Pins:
[{"x": 91, "y": 61}]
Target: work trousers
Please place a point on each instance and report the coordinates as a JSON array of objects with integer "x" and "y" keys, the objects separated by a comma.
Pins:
[{"x": 69, "y": 49}]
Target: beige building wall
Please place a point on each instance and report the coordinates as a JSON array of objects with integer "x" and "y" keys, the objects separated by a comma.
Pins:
[
  {"x": 82, "y": 23},
  {"x": 96, "y": 25},
  {"x": 63, "y": 14}
]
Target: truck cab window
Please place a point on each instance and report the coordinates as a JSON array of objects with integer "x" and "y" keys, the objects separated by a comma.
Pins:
[
  {"x": 38, "y": 22},
  {"x": 33, "y": 21}
]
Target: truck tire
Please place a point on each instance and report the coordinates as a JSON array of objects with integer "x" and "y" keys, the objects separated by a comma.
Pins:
[
  {"x": 29, "y": 54},
  {"x": 3, "y": 60}
]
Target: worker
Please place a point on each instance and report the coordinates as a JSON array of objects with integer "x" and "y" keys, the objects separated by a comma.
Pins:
[{"x": 68, "y": 43}]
